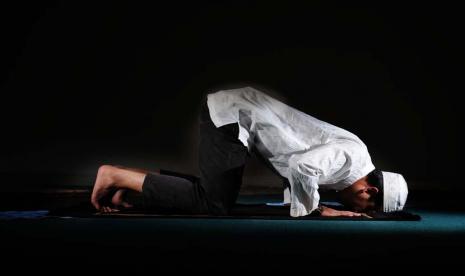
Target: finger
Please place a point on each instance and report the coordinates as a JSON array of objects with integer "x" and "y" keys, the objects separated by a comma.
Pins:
[
  {"x": 126, "y": 205},
  {"x": 366, "y": 216}
]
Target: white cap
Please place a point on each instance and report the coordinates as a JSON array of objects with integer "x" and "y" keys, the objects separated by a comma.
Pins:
[{"x": 395, "y": 191}]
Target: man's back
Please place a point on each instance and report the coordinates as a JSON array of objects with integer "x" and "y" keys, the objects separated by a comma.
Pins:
[{"x": 273, "y": 127}]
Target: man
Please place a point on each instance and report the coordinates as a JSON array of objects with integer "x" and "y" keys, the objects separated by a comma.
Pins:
[{"x": 308, "y": 153}]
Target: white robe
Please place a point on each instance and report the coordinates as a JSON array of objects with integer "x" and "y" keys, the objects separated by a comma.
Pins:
[{"x": 310, "y": 153}]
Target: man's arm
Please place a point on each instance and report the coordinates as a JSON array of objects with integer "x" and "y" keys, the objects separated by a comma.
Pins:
[{"x": 305, "y": 170}]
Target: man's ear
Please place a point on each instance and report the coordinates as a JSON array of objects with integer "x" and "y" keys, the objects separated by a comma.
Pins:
[{"x": 372, "y": 190}]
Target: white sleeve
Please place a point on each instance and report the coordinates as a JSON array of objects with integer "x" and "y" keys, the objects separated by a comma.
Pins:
[
  {"x": 305, "y": 171},
  {"x": 304, "y": 195}
]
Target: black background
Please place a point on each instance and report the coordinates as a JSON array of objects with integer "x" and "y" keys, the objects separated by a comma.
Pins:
[{"x": 85, "y": 84}]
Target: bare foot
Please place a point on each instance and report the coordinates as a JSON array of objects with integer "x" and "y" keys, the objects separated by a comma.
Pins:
[
  {"x": 103, "y": 185},
  {"x": 118, "y": 199}
]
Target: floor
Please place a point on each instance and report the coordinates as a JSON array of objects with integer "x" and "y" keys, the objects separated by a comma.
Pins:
[{"x": 229, "y": 245}]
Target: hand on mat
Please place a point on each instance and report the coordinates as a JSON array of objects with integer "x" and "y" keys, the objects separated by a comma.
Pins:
[{"x": 330, "y": 212}]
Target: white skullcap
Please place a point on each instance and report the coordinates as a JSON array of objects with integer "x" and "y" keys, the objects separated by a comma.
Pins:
[{"x": 395, "y": 192}]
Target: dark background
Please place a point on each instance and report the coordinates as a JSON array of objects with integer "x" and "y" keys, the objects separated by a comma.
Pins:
[{"x": 84, "y": 84}]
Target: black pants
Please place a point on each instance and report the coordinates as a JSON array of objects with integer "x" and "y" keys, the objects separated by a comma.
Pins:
[{"x": 222, "y": 158}]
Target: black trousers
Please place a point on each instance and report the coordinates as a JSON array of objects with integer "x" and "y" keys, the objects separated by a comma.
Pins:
[{"x": 222, "y": 158}]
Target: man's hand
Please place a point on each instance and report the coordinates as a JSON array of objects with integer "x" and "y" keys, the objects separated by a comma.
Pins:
[{"x": 330, "y": 212}]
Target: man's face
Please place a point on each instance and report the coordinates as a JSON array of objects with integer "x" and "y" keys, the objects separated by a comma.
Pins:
[{"x": 360, "y": 196}]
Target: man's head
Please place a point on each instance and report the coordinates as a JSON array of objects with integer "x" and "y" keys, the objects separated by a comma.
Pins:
[{"x": 377, "y": 191}]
